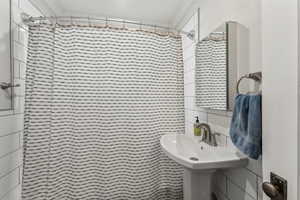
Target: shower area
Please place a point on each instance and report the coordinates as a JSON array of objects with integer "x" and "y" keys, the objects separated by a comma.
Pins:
[{"x": 98, "y": 99}]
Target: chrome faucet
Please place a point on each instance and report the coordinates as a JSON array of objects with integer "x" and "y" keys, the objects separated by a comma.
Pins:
[{"x": 208, "y": 137}]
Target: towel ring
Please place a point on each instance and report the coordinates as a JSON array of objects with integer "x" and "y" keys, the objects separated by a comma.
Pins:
[{"x": 257, "y": 76}]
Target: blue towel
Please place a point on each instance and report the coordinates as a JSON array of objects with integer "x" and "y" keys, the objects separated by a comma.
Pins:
[{"x": 246, "y": 125}]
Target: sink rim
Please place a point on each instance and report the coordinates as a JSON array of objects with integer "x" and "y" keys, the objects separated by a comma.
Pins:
[{"x": 237, "y": 160}]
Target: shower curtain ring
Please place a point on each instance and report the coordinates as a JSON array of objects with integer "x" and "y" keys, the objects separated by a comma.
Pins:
[
  {"x": 54, "y": 23},
  {"x": 89, "y": 21},
  {"x": 40, "y": 21},
  {"x": 106, "y": 22},
  {"x": 123, "y": 24},
  {"x": 72, "y": 24}
]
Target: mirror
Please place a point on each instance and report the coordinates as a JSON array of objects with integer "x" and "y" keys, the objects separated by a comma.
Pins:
[
  {"x": 220, "y": 61},
  {"x": 5, "y": 55}
]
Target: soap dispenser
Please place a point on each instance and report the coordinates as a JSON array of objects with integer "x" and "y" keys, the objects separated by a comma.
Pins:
[{"x": 197, "y": 129}]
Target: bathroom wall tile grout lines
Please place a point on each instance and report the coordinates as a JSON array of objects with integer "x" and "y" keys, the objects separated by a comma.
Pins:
[
  {"x": 11, "y": 122},
  {"x": 232, "y": 184}
]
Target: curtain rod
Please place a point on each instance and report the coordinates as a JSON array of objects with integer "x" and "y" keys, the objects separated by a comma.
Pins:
[{"x": 29, "y": 19}]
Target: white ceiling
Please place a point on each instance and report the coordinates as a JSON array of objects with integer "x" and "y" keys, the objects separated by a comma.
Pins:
[{"x": 160, "y": 12}]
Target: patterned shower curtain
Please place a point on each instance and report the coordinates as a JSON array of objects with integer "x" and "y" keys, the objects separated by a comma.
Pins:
[{"x": 97, "y": 102}]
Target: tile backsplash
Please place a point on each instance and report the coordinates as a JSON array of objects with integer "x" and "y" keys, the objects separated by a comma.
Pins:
[
  {"x": 11, "y": 122},
  {"x": 231, "y": 184}
]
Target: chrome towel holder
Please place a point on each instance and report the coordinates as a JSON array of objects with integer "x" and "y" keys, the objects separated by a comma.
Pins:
[{"x": 257, "y": 76}]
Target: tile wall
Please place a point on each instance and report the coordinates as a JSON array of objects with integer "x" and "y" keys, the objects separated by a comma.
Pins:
[{"x": 11, "y": 122}]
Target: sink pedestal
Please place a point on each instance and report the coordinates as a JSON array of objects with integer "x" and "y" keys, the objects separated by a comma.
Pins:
[
  {"x": 197, "y": 184},
  {"x": 200, "y": 161}
]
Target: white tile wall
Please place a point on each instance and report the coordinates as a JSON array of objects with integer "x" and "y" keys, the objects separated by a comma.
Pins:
[
  {"x": 235, "y": 192},
  {"x": 233, "y": 184},
  {"x": 9, "y": 182},
  {"x": 11, "y": 122}
]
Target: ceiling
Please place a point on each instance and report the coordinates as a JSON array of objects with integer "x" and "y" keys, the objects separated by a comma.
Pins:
[{"x": 160, "y": 12}]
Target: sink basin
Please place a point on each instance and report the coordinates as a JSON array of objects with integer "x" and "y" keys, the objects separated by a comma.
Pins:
[
  {"x": 192, "y": 154},
  {"x": 200, "y": 161}
]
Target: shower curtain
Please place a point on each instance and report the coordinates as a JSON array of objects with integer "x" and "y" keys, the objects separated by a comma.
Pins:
[{"x": 97, "y": 102}]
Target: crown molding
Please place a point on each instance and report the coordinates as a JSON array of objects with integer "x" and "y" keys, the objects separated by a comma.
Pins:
[
  {"x": 44, "y": 7},
  {"x": 185, "y": 14}
]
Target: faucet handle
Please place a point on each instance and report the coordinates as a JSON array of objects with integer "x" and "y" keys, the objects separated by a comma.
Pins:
[
  {"x": 214, "y": 139},
  {"x": 217, "y": 134}
]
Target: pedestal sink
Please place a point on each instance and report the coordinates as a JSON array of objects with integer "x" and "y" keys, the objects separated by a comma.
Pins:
[{"x": 200, "y": 161}]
